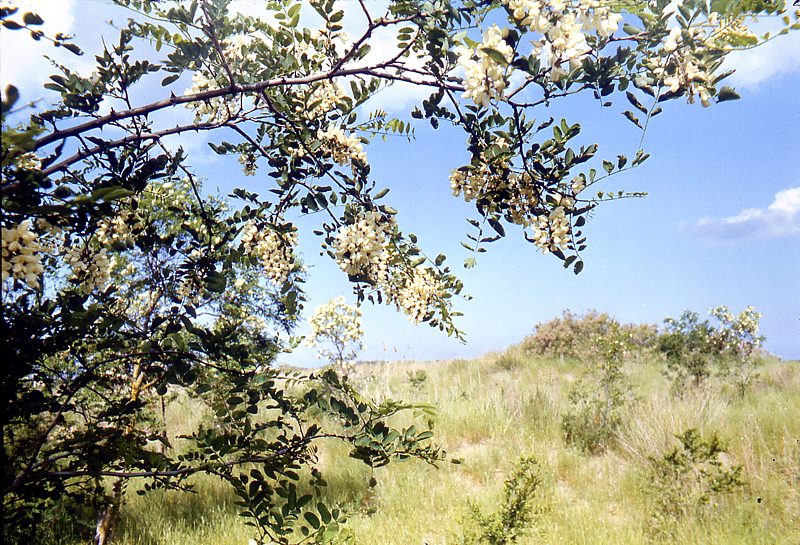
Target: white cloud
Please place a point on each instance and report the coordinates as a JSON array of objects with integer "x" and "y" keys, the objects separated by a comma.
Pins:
[
  {"x": 780, "y": 218},
  {"x": 753, "y": 67}
]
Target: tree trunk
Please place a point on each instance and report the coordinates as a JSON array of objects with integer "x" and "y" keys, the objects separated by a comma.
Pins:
[{"x": 108, "y": 518}]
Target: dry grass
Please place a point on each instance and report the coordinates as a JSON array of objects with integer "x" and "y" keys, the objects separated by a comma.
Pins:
[{"x": 497, "y": 408}]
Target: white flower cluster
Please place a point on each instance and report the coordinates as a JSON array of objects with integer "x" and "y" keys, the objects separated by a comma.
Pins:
[
  {"x": 551, "y": 231},
  {"x": 275, "y": 250},
  {"x": 517, "y": 196},
  {"x": 317, "y": 100},
  {"x": 415, "y": 297},
  {"x": 739, "y": 332},
  {"x": 520, "y": 194},
  {"x": 90, "y": 270},
  {"x": 239, "y": 49},
  {"x": 22, "y": 254},
  {"x": 594, "y": 16},
  {"x": 336, "y": 331},
  {"x": 248, "y": 162},
  {"x": 484, "y": 77},
  {"x": 578, "y": 184},
  {"x": 191, "y": 290},
  {"x": 685, "y": 72},
  {"x": 342, "y": 148},
  {"x": 563, "y": 28},
  {"x": 29, "y": 161},
  {"x": 119, "y": 230},
  {"x": 364, "y": 247},
  {"x": 681, "y": 66},
  {"x": 214, "y": 110}
]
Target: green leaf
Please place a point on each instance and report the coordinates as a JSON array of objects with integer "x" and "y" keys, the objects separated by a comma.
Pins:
[
  {"x": 169, "y": 79},
  {"x": 72, "y": 48},
  {"x": 495, "y": 55},
  {"x": 497, "y": 226},
  {"x": 312, "y": 519},
  {"x": 32, "y": 19},
  {"x": 632, "y": 118},
  {"x": 324, "y": 513},
  {"x": 727, "y": 93},
  {"x": 215, "y": 282},
  {"x": 635, "y": 101},
  {"x": 631, "y": 30},
  {"x": 10, "y": 97}
]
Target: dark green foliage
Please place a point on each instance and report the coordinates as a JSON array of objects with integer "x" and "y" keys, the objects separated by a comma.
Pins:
[
  {"x": 690, "y": 349},
  {"x": 690, "y": 479},
  {"x": 516, "y": 510}
]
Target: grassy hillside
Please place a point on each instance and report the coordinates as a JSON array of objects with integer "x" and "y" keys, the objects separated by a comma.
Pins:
[{"x": 495, "y": 409}]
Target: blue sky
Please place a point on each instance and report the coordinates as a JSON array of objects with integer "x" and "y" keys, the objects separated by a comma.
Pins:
[{"x": 720, "y": 226}]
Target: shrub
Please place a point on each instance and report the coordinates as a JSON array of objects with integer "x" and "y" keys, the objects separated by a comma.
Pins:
[
  {"x": 697, "y": 349},
  {"x": 689, "y": 347},
  {"x": 572, "y": 336},
  {"x": 417, "y": 378},
  {"x": 739, "y": 341},
  {"x": 597, "y": 400},
  {"x": 690, "y": 478},
  {"x": 516, "y": 509},
  {"x": 507, "y": 362}
]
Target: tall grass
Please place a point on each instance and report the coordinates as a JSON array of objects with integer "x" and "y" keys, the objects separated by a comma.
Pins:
[{"x": 495, "y": 409}]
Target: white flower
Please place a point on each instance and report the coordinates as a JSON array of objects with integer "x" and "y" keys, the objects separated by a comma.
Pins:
[
  {"x": 415, "y": 297},
  {"x": 336, "y": 331},
  {"x": 551, "y": 231},
  {"x": 342, "y": 148},
  {"x": 671, "y": 41},
  {"x": 484, "y": 77},
  {"x": 21, "y": 254},
  {"x": 273, "y": 249},
  {"x": 364, "y": 247},
  {"x": 90, "y": 270}
]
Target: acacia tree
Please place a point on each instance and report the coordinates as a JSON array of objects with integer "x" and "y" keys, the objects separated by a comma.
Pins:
[{"x": 122, "y": 280}]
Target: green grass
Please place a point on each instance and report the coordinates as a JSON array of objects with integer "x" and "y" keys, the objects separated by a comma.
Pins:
[{"x": 495, "y": 409}]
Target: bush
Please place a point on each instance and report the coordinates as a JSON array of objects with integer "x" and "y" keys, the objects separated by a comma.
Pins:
[
  {"x": 689, "y": 347},
  {"x": 516, "y": 509},
  {"x": 689, "y": 479},
  {"x": 697, "y": 349},
  {"x": 573, "y": 336},
  {"x": 417, "y": 378},
  {"x": 597, "y": 401}
]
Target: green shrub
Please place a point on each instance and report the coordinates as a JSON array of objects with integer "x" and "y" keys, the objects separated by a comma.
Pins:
[
  {"x": 697, "y": 349},
  {"x": 417, "y": 378},
  {"x": 597, "y": 400},
  {"x": 507, "y": 362},
  {"x": 690, "y": 478},
  {"x": 515, "y": 511},
  {"x": 690, "y": 349}
]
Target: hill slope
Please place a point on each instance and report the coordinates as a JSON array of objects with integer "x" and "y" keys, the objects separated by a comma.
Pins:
[{"x": 492, "y": 411}]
